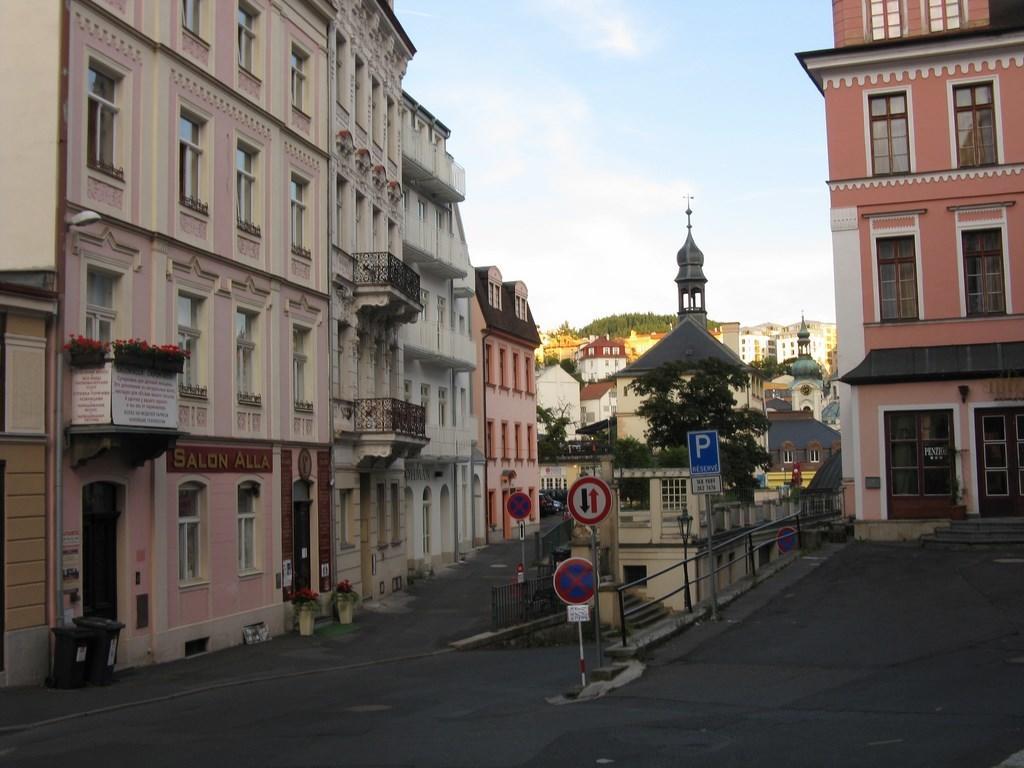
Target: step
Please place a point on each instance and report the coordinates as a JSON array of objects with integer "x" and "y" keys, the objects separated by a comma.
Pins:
[{"x": 951, "y": 540}]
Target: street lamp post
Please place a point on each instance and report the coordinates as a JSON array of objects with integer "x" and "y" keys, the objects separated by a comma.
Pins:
[{"x": 684, "y": 530}]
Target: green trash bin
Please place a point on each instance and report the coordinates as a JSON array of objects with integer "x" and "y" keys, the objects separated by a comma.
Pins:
[
  {"x": 102, "y": 647},
  {"x": 70, "y": 657}
]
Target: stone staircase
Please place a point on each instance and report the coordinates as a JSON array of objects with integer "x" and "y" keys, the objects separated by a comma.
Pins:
[
  {"x": 648, "y": 612},
  {"x": 987, "y": 532}
]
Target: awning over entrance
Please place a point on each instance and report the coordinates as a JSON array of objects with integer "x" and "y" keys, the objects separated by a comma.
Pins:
[
  {"x": 955, "y": 361},
  {"x": 136, "y": 445}
]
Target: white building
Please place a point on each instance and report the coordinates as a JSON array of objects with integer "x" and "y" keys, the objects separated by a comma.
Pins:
[
  {"x": 439, "y": 351},
  {"x": 597, "y": 402},
  {"x": 758, "y": 342},
  {"x": 601, "y": 358},
  {"x": 559, "y": 392}
]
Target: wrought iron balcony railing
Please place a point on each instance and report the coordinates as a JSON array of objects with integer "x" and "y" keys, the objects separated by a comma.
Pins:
[
  {"x": 382, "y": 268},
  {"x": 249, "y": 228},
  {"x": 195, "y": 204},
  {"x": 387, "y": 414},
  {"x": 107, "y": 168}
]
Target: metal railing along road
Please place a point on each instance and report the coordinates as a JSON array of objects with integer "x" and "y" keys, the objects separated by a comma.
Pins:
[
  {"x": 754, "y": 540},
  {"x": 517, "y": 603}
]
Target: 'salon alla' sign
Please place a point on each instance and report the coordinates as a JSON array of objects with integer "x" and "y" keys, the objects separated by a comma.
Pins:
[{"x": 195, "y": 458}]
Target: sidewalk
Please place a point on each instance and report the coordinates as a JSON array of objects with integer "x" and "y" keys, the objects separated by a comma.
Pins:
[{"x": 421, "y": 621}]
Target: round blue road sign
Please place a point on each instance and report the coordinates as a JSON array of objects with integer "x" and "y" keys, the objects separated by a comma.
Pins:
[
  {"x": 519, "y": 505},
  {"x": 574, "y": 581},
  {"x": 786, "y": 539}
]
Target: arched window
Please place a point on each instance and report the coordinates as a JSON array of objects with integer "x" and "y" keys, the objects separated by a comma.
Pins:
[
  {"x": 191, "y": 507},
  {"x": 426, "y": 521}
]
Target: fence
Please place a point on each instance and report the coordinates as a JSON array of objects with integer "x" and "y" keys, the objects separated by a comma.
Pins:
[
  {"x": 516, "y": 603},
  {"x": 558, "y": 536}
]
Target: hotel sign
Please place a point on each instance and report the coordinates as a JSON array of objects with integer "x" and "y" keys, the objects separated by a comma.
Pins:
[{"x": 202, "y": 458}]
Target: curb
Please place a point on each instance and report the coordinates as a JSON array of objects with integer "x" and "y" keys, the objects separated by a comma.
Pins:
[{"x": 485, "y": 639}]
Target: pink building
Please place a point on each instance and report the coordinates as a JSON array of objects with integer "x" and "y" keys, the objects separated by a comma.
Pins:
[
  {"x": 926, "y": 150},
  {"x": 504, "y": 390},
  {"x": 191, "y": 506}
]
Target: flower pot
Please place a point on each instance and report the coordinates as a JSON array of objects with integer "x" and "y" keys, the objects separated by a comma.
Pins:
[
  {"x": 132, "y": 360},
  {"x": 169, "y": 365},
  {"x": 87, "y": 358},
  {"x": 346, "y": 606},
  {"x": 307, "y": 620}
]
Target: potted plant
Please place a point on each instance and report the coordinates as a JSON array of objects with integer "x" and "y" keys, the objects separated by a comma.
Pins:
[
  {"x": 84, "y": 352},
  {"x": 345, "y": 600},
  {"x": 169, "y": 358},
  {"x": 306, "y": 602},
  {"x": 132, "y": 353}
]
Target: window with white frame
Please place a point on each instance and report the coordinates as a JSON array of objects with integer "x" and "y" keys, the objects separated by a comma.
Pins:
[
  {"x": 382, "y": 515},
  {"x": 101, "y": 123},
  {"x": 189, "y": 334},
  {"x": 886, "y": 22},
  {"x": 943, "y": 15},
  {"x": 298, "y": 67},
  {"x": 191, "y": 497},
  {"x": 342, "y": 536},
  {"x": 407, "y": 390},
  {"x": 360, "y": 90},
  {"x": 425, "y": 398},
  {"x": 897, "y": 278},
  {"x": 787, "y": 455},
  {"x": 421, "y": 210},
  {"x": 673, "y": 494},
  {"x": 190, "y": 16},
  {"x": 396, "y": 515},
  {"x": 245, "y": 353},
  {"x": 376, "y": 112},
  {"x": 494, "y": 294},
  {"x": 424, "y": 303},
  {"x": 246, "y": 37},
  {"x": 983, "y": 272},
  {"x": 298, "y": 211},
  {"x": 813, "y": 455},
  {"x": 425, "y": 517},
  {"x": 100, "y": 311},
  {"x": 344, "y": 65},
  {"x": 245, "y": 182},
  {"x": 975, "y": 125},
  {"x": 442, "y": 406},
  {"x": 300, "y": 339},
  {"x": 521, "y": 307},
  {"x": 442, "y": 311},
  {"x": 189, "y": 156},
  {"x": 247, "y": 494}
]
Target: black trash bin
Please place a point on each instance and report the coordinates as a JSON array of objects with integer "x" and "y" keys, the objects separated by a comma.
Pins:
[
  {"x": 102, "y": 647},
  {"x": 70, "y": 657},
  {"x": 558, "y": 554}
]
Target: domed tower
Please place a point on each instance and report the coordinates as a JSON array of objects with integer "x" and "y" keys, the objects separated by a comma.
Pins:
[
  {"x": 807, "y": 387},
  {"x": 690, "y": 278}
]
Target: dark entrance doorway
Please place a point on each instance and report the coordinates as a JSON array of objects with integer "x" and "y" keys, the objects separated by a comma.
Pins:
[
  {"x": 1000, "y": 450},
  {"x": 300, "y": 533},
  {"x": 99, "y": 550}
]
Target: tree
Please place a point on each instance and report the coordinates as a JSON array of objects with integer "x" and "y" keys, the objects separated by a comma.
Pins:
[
  {"x": 630, "y": 453},
  {"x": 681, "y": 397},
  {"x": 770, "y": 368},
  {"x": 552, "y": 443},
  {"x": 570, "y": 367},
  {"x": 550, "y": 359}
]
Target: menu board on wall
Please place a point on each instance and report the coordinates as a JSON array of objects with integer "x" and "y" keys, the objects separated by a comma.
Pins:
[
  {"x": 90, "y": 395},
  {"x": 144, "y": 399}
]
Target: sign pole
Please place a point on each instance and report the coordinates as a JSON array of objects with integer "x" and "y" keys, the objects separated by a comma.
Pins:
[
  {"x": 583, "y": 661},
  {"x": 597, "y": 593},
  {"x": 522, "y": 543},
  {"x": 712, "y": 575}
]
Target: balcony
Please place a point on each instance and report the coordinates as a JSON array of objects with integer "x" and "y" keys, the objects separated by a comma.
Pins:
[
  {"x": 465, "y": 287},
  {"x": 387, "y": 429},
  {"x": 426, "y": 164},
  {"x": 435, "y": 250},
  {"x": 430, "y": 342},
  {"x": 450, "y": 443},
  {"x": 385, "y": 285}
]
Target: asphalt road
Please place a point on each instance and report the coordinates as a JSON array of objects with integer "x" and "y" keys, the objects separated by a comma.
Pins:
[{"x": 880, "y": 656}]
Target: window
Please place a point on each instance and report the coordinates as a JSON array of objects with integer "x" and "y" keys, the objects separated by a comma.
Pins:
[
  {"x": 442, "y": 406},
  {"x": 673, "y": 494},
  {"x": 298, "y": 196},
  {"x": 360, "y": 90},
  {"x": 245, "y": 350},
  {"x": 425, "y": 516},
  {"x": 101, "y": 123},
  {"x": 488, "y": 373},
  {"x": 885, "y": 19},
  {"x": 531, "y": 445},
  {"x": 421, "y": 210},
  {"x": 515, "y": 371},
  {"x": 376, "y": 115},
  {"x": 501, "y": 367},
  {"x": 190, "y": 500},
  {"x": 489, "y": 440},
  {"x": 245, "y": 181},
  {"x": 298, "y": 66},
  {"x": 787, "y": 455},
  {"x": 521, "y": 307},
  {"x": 343, "y": 69},
  {"x": 188, "y": 339},
  {"x": 407, "y": 390},
  {"x": 300, "y": 337},
  {"x": 392, "y": 134},
  {"x": 442, "y": 310},
  {"x": 943, "y": 15},
  {"x": 247, "y": 493},
  {"x": 246, "y": 38},
  {"x": 396, "y": 515},
  {"x": 190, "y": 16},
  {"x": 189, "y": 154},
  {"x": 100, "y": 315},
  {"x": 341, "y": 531},
  {"x": 518, "y": 430},
  {"x": 920, "y": 459},
  {"x": 382, "y": 515},
  {"x": 425, "y": 397},
  {"x": 813, "y": 455},
  {"x": 897, "y": 279},
  {"x": 494, "y": 294},
  {"x": 890, "y": 145},
  {"x": 983, "y": 272},
  {"x": 504, "y": 439},
  {"x": 975, "y": 125}
]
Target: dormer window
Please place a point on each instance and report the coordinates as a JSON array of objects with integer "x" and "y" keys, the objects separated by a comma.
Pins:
[
  {"x": 885, "y": 19},
  {"x": 494, "y": 294},
  {"x": 943, "y": 15},
  {"x": 521, "y": 307}
]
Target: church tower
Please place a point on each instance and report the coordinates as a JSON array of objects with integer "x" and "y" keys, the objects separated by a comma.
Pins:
[
  {"x": 690, "y": 279},
  {"x": 808, "y": 387}
]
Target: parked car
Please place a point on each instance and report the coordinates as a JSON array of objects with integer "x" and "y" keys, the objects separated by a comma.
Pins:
[{"x": 549, "y": 505}]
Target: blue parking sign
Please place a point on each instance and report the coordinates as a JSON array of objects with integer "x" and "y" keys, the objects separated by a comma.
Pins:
[{"x": 703, "y": 445}]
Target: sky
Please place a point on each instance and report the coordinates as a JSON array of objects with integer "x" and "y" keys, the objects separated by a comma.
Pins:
[{"x": 584, "y": 124}]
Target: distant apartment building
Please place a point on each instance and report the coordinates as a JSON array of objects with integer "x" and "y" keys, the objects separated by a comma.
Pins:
[
  {"x": 638, "y": 344},
  {"x": 759, "y": 342},
  {"x": 439, "y": 350},
  {"x": 926, "y": 146},
  {"x": 559, "y": 392},
  {"x": 558, "y": 344},
  {"x": 600, "y": 358},
  {"x": 504, "y": 386}
]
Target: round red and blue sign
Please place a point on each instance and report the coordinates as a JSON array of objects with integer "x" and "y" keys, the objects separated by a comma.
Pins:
[
  {"x": 786, "y": 539},
  {"x": 574, "y": 581},
  {"x": 518, "y": 506}
]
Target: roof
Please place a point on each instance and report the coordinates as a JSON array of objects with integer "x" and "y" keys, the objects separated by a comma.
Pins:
[
  {"x": 775, "y": 404},
  {"x": 386, "y": 9},
  {"x": 505, "y": 319},
  {"x": 955, "y": 361},
  {"x": 598, "y": 344},
  {"x": 829, "y": 476},
  {"x": 798, "y": 429},
  {"x": 689, "y": 341},
  {"x": 596, "y": 391}
]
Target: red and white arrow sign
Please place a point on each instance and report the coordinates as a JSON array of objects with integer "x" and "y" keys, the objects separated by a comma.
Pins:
[{"x": 590, "y": 500}]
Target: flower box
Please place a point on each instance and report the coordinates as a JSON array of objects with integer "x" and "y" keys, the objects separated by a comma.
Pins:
[{"x": 84, "y": 352}]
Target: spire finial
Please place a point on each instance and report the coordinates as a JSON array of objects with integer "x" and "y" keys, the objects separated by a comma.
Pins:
[{"x": 688, "y": 211}]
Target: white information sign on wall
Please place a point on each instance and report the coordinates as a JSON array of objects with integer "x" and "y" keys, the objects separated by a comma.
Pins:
[
  {"x": 576, "y": 614},
  {"x": 90, "y": 395},
  {"x": 144, "y": 399},
  {"x": 707, "y": 484}
]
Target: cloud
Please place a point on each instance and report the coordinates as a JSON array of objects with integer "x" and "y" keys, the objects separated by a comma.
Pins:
[{"x": 601, "y": 25}]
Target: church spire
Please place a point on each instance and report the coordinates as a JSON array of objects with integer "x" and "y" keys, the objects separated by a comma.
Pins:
[{"x": 690, "y": 280}]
